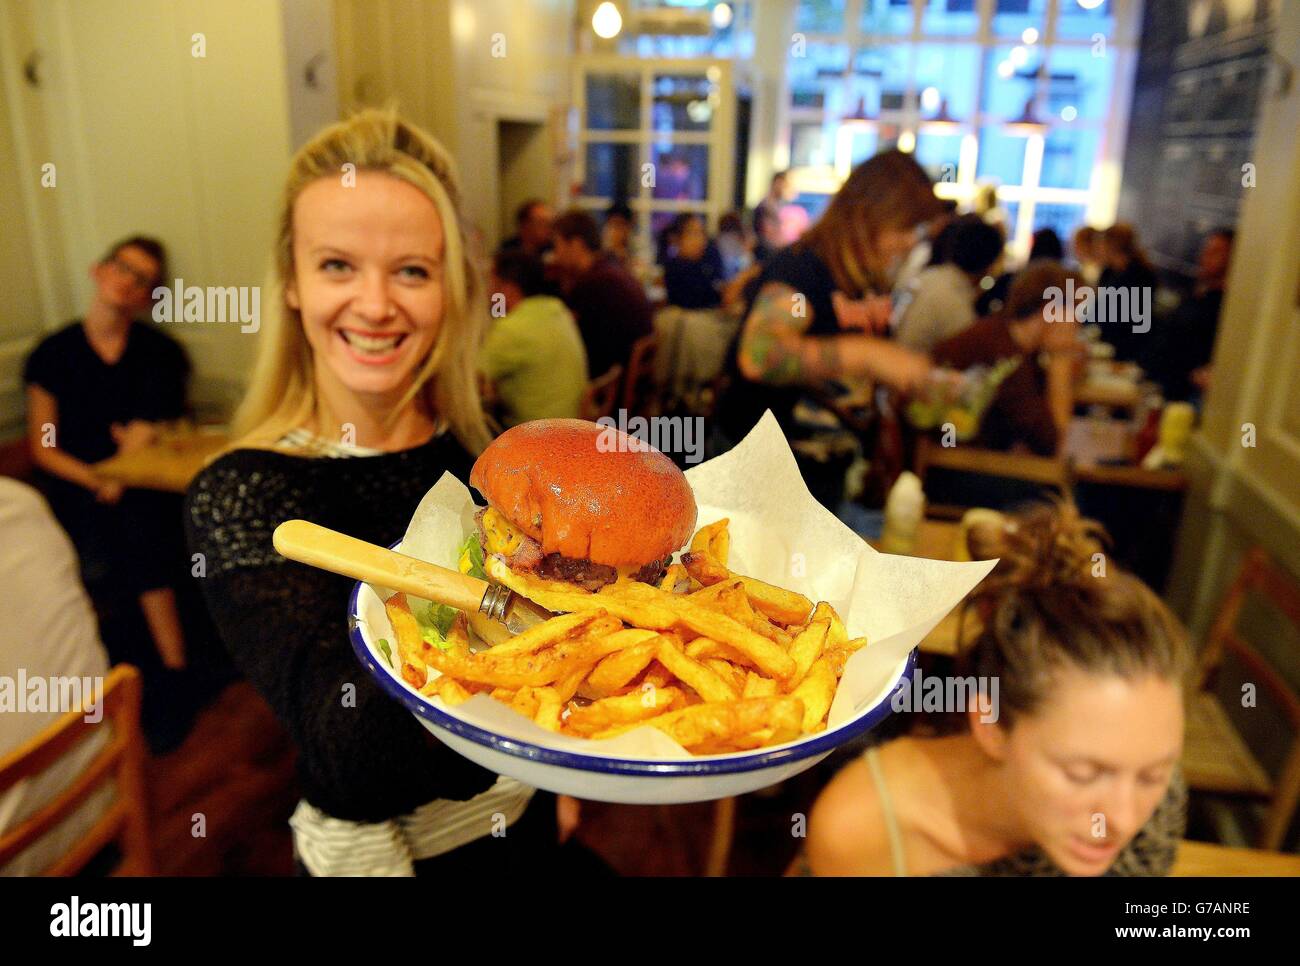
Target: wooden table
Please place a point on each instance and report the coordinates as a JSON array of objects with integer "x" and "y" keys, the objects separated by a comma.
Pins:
[
  {"x": 937, "y": 540},
  {"x": 1204, "y": 858},
  {"x": 1094, "y": 445},
  {"x": 168, "y": 464}
]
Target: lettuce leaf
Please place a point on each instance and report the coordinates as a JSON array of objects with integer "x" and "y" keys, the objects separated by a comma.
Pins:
[
  {"x": 435, "y": 622},
  {"x": 474, "y": 549}
]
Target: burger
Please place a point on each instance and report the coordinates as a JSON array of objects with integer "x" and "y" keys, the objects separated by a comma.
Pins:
[{"x": 575, "y": 501}]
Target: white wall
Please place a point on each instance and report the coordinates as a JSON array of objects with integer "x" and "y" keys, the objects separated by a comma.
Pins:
[
  {"x": 773, "y": 26},
  {"x": 525, "y": 84},
  {"x": 148, "y": 138},
  {"x": 311, "y": 67},
  {"x": 438, "y": 61},
  {"x": 1245, "y": 460},
  {"x": 31, "y": 257}
]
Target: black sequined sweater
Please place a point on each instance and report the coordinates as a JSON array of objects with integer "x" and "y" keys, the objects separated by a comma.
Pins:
[{"x": 285, "y": 623}]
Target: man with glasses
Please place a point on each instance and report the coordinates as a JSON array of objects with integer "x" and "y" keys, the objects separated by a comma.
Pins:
[{"x": 99, "y": 386}]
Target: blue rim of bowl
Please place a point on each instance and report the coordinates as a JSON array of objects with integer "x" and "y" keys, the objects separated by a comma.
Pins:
[{"x": 824, "y": 743}]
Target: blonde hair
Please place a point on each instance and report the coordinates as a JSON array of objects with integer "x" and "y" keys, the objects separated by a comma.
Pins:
[{"x": 282, "y": 394}]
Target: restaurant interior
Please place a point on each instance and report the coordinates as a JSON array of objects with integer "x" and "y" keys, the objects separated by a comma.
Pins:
[{"x": 663, "y": 190}]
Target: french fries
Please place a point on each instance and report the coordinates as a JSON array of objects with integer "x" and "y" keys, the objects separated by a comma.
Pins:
[
  {"x": 784, "y": 606},
  {"x": 718, "y": 661},
  {"x": 713, "y": 540}
]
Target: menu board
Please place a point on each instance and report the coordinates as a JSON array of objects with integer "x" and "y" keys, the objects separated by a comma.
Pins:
[{"x": 1202, "y": 67}]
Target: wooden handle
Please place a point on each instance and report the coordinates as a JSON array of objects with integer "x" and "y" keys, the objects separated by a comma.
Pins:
[{"x": 338, "y": 553}]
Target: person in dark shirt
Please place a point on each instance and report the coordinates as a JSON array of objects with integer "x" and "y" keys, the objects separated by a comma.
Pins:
[
  {"x": 618, "y": 232},
  {"x": 98, "y": 387},
  {"x": 1032, "y": 406},
  {"x": 609, "y": 305},
  {"x": 767, "y": 223},
  {"x": 817, "y": 299},
  {"x": 693, "y": 271},
  {"x": 766, "y": 226},
  {"x": 1086, "y": 242},
  {"x": 1044, "y": 245},
  {"x": 735, "y": 247},
  {"x": 364, "y": 396},
  {"x": 1182, "y": 366},
  {"x": 1126, "y": 269},
  {"x": 941, "y": 301},
  {"x": 533, "y": 221}
]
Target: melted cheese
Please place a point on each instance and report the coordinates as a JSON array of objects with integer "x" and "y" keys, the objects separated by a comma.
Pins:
[{"x": 502, "y": 536}]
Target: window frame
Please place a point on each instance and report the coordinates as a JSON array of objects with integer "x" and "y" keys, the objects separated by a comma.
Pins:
[{"x": 1100, "y": 198}]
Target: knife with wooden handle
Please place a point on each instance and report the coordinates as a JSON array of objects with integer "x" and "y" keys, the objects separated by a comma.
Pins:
[{"x": 327, "y": 549}]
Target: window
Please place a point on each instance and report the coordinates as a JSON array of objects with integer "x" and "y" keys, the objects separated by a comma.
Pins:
[
  {"x": 1019, "y": 94},
  {"x": 1001, "y": 156},
  {"x": 878, "y": 83},
  {"x": 949, "y": 17},
  {"x": 1063, "y": 219},
  {"x": 1077, "y": 79},
  {"x": 886, "y": 18},
  {"x": 1024, "y": 20},
  {"x": 658, "y": 136},
  {"x": 730, "y": 38},
  {"x": 1011, "y": 76},
  {"x": 611, "y": 170},
  {"x": 816, "y": 77},
  {"x": 939, "y": 154},
  {"x": 1075, "y": 22},
  {"x": 1067, "y": 158},
  {"x": 682, "y": 102},
  {"x": 820, "y": 17},
  {"x": 946, "y": 78},
  {"x": 681, "y": 171}
]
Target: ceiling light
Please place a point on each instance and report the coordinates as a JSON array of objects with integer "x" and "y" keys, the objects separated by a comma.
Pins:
[{"x": 607, "y": 21}]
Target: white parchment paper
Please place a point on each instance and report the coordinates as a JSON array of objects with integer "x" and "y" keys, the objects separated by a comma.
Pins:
[{"x": 780, "y": 534}]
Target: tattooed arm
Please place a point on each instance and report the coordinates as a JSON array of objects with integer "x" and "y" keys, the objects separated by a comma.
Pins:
[{"x": 775, "y": 349}]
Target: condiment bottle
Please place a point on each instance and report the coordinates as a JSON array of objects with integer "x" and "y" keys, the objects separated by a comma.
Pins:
[{"x": 904, "y": 508}]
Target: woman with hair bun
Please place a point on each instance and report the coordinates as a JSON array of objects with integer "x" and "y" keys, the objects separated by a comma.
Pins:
[{"x": 1078, "y": 774}]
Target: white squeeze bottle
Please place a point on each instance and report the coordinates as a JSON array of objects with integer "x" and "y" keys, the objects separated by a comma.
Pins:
[{"x": 904, "y": 509}]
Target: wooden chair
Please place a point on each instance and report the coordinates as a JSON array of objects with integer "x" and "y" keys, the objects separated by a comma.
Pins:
[
  {"x": 121, "y": 759},
  {"x": 1046, "y": 471},
  {"x": 1215, "y": 757},
  {"x": 599, "y": 396},
  {"x": 641, "y": 387}
]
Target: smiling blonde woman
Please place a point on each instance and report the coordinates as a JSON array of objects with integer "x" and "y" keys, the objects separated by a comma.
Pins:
[{"x": 363, "y": 395}]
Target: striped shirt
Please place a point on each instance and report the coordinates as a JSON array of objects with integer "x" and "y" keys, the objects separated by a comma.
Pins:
[{"x": 328, "y": 846}]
